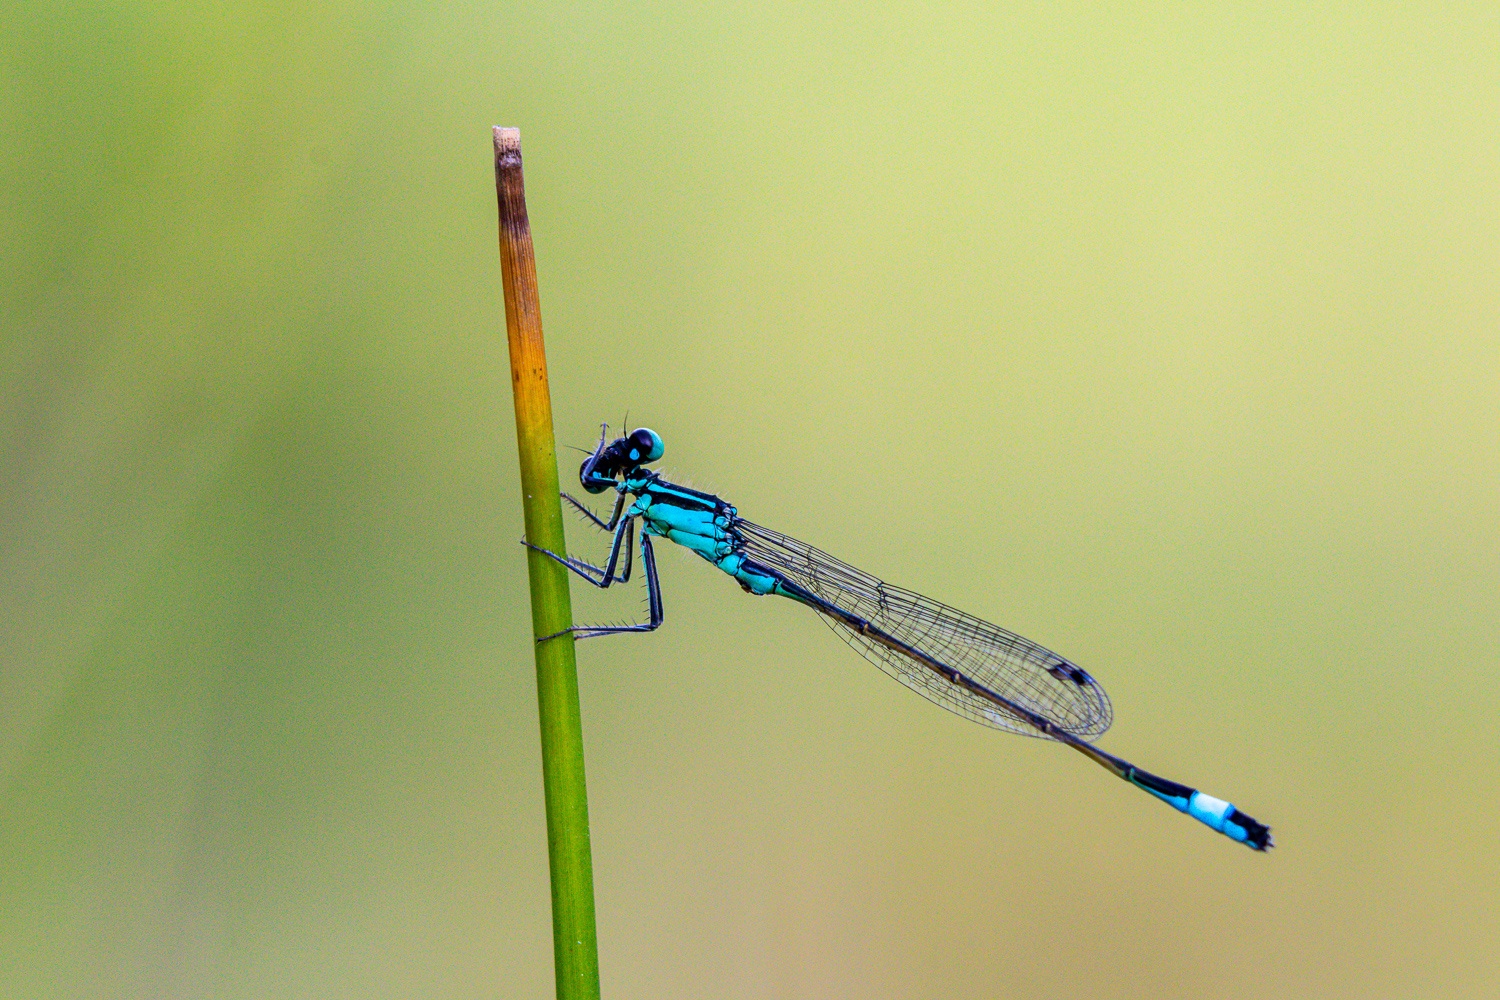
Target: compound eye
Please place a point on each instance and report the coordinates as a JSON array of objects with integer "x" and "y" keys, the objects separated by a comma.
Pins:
[{"x": 646, "y": 445}]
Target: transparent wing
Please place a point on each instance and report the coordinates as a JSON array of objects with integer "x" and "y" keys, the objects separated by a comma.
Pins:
[{"x": 1017, "y": 669}]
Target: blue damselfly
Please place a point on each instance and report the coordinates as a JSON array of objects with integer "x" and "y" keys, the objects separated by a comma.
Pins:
[{"x": 966, "y": 665}]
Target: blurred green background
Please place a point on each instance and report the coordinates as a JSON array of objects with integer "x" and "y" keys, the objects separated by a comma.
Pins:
[{"x": 1165, "y": 338}]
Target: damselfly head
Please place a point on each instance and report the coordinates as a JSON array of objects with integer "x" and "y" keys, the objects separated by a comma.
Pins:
[{"x": 619, "y": 458}]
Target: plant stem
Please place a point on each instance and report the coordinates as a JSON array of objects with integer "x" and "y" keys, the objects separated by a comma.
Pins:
[{"x": 575, "y": 946}]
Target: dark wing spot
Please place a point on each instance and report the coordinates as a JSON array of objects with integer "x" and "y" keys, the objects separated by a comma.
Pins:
[{"x": 1068, "y": 672}]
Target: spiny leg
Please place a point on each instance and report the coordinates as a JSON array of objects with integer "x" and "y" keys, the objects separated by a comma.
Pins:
[
  {"x": 614, "y": 520},
  {"x": 653, "y": 597},
  {"x": 653, "y": 602},
  {"x": 601, "y": 578}
]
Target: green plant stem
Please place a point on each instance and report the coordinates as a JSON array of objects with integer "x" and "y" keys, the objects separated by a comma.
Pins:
[{"x": 575, "y": 946}]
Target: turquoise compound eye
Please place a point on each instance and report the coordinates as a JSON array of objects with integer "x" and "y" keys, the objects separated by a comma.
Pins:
[{"x": 646, "y": 445}]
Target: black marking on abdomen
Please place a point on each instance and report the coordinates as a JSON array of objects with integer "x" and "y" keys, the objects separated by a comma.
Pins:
[{"x": 1257, "y": 835}]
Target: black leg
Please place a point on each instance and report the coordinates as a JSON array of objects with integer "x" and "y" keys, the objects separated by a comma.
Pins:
[
  {"x": 653, "y": 601},
  {"x": 614, "y": 520},
  {"x": 593, "y": 574}
]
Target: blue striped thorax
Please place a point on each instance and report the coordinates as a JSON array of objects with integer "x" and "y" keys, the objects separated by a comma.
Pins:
[{"x": 698, "y": 521}]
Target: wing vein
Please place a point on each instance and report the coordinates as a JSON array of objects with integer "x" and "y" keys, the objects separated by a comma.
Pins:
[{"x": 1017, "y": 669}]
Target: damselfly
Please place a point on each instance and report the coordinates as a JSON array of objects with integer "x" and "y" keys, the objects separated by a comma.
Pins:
[{"x": 966, "y": 665}]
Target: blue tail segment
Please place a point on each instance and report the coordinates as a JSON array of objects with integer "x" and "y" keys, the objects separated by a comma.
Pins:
[{"x": 1211, "y": 812}]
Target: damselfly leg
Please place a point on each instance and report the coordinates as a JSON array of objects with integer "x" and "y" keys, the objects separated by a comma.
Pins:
[{"x": 624, "y": 539}]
